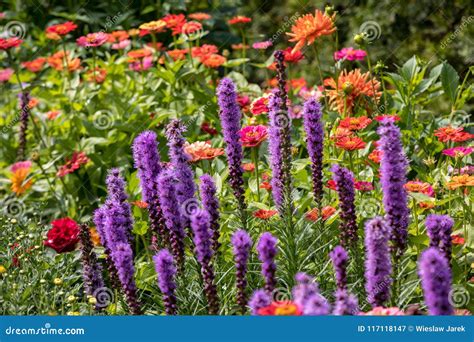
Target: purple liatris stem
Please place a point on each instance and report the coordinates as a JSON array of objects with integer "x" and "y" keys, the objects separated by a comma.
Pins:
[
  {"x": 185, "y": 187},
  {"x": 439, "y": 229},
  {"x": 210, "y": 203},
  {"x": 435, "y": 275},
  {"x": 123, "y": 259},
  {"x": 260, "y": 299},
  {"x": 345, "y": 303},
  {"x": 279, "y": 142},
  {"x": 167, "y": 183},
  {"x": 200, "y": 223},
  {"x": 241, "y": 243},
  {"x": 99, "y": 220},
  {"x": 118, "y": 206},
  {"x": 313, "y": 127},
  {"x": 24, "y": 117},
  {"x": 230, "y": 117},
  {"x": 306, "y": 295},
  {"x": 378, "y": 265},
  {"x": 393, "y": 167},
  {"x": 267, "y": 250},
  {"x": 147, "y": 162},
  {"x": 91, "y": 269},
  {"x": 166, "y": 270},
  {"x": 340, "y": 260},
  {"x": 345, "y": 189}
]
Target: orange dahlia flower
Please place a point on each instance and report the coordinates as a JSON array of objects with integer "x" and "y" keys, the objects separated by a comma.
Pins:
[
  {"x": 449, "y": 133},
  {"x": 350, "y": 87},
  {"x": 20, "y": 172},
  {"x": 460, "y": 181},
  {"x": 213, "y": 60},
  {"x": 310, "y": 27}
]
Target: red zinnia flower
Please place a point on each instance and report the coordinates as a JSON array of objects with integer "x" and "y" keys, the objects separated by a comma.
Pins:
[
  {"x": 376, "y": 156},
  {"x": 291, "y": 56},
  {"x": 264, "y": 214},
  {"x": 394, "y": 117},
  {"x": 61, "y": 29},
  {"x": 350, "y": 143},
  {"x": 355, "y": 124},
  {"x": 175, "y": 22},
  {"x": 458, "y": 239},
  {"x": 200, "y": 16},
  {"x": 266, "y": 186},
  {"x": 239, "y": 19},
  {"x": 363, "y": 186},
  {"x": 63, "y": 236},
  {"x": 206, "y": 127},
  {"x": 77, "y": 159},
  {"x": 35, "y": 65},
  {"x": 248, "y": 167},
  {"x": 331, "y": 184},
  {"x": 281, "y": 308},
  {"x": 449, "y": 133},
  {"x": 8, "y": 43}
]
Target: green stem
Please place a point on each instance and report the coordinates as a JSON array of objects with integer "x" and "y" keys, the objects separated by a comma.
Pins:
[{"x": 257, "y": 176}]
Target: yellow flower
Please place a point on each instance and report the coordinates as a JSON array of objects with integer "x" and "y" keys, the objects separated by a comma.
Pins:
[
  {"x": 460, "y": 181},
  {"x": 2, "y": 269},
  {"x": 155, "y": 26},
  {"x": 57, "y": 281}
]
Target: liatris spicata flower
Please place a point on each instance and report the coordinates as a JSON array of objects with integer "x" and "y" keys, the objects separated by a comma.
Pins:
[
  {"x": 316, "y": 305},
  {"x": 168, "y": 196},
  {"x": 435, "y": 275},
  {"x": 340, "y": 260},
  {"x": 393, "y": 178},
  {"x": 345, "y": 304},
  {"x": 116, "y": 196},
  {"x": 200, "y": 223},
  {"x": 185, "y": 187},
  {"x": 117, "y": 223},
  {"x": 99, "y": 220},
  {"x": 210, "y": 203},
  {"x": 260, "y": 299},
  {"x": 147, "y": 162},
  {"x": 242, "y": 243},
  {"x": 305, "y": 288},
  {"x": 24, "y": 117},
  {"x": 123, "y": 259},
  {"x": 166, "y": 270},
  {"x": 439, "y": 228},
  {"x": 230, "y": 120},
  {"x": 267, "y": 250},
  {"x": 279, "y": 143},
  {"x": 92, "y": 271},
  {"x": 345, "y": 189},
  {"x": 314, "y": 140},
  {"x": 378, "y": 266}
]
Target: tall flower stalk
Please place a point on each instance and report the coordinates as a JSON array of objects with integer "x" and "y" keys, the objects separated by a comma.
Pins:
[
  {"x": 313, "y": 126},
  {"x": 435, "y": 275},
  {"x": 439, "y": 229},
  {"x": 393, "y": 167},
  {"x": 24, "y": 117},
  {"x": 230, "y": 117},
  {"x": 267, "y": 251},
  {"x": 378, "y": 266},
  {"x": 200, "y": 223},
  {"x": 241, "y": 243},
  {"x": 340, "y": 260},
  {"x": 306, "y": 295},
  {"x": 345, "y": 189},
  {"x": 147, "y": 162},
  {"x": 260, "y": 299},
  {"x": 210, "y": 203},
  {"x": 166, "y": 270}
]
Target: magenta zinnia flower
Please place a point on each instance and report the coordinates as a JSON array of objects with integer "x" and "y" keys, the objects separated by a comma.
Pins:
[
  {"x": 458, "y": 151},
  {"x": 93, "y": 39},
  {"x": 252, "y": 136},
  {"x": 262, "y": 45},
  {"x": 350, "y": 54},
  {"x": 5, "y": 74}
]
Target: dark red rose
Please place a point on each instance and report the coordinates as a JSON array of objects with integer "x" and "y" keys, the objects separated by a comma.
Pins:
[{"x": 63, "y": 236}]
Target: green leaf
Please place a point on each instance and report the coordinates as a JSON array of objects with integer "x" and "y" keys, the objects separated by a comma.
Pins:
[
  {"x": 235, "y": 62},
  {"x": 140, "y": 228},
  {"x": 449, "y": 81}
]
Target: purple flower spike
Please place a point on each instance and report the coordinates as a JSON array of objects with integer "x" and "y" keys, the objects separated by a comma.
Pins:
[
  {"x": 170, "y": 207},
  {"x": 123, "y": 259},
  {"x": 340, "y": 260},
  {"x": 147, "y": 162},
  {"x": 346, "y": 303},
  {"x": 242, "y": 243},
  {"x": 260, "y": 299},
  {"x": 393, "y": 167},
  {"x": 345, "y": 189},
  {"x": 185, "y": 187},
  {"x": 378, "y": 265},
  {"x": 166, "y": 270},
  {"x": 435, "y": 275},
  {"x": 313, "y": 127},
  {"x": 230, "y": 117},
  {"x": 306, "y": 295},
  {"x": 200, "y": 223},
  {"x": 267, "y": 250},
  {"x": 24, "y": 117},
  {"x": 439, "y": 228},
  {"x": 210, "y": 203}
]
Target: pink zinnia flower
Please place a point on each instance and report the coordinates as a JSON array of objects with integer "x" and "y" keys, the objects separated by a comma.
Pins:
[
  {"x": 393, "y": 117},
  {"x": 252, "y": 136},
  {"x": 5, "y": 74},
  {"x": 262, "y": 45},
  {"x": 121, "y": 45},
  {"x": 363, "y": 186},
  {"x": 93, "y": 39},
  {"x": 458, "y": 152},
  {"x": 142, "y": 65},
  {"x": 350, "y": 54}
]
